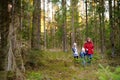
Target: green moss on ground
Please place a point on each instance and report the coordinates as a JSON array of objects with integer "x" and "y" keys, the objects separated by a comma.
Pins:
[{"x": 62, "y": 66}]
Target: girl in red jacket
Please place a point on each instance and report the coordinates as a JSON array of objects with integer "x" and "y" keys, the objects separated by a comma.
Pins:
[{"x": 89, "y": 48}]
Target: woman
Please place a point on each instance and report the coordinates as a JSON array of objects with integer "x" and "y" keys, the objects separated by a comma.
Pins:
[{"x": 89, "y": 48}]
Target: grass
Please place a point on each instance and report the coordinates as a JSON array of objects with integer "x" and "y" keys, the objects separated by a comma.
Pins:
[{"x": 62, "y": 66}]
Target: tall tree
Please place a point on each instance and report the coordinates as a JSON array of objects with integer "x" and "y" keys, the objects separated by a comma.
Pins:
[
  {"x": 4, "y": 30},
  {"x": 11, "y": 56},
  {"x": 118, "y": 19},
  {"x": 102, "y": 25},
  {"x": 44, "y": 19},
  {"x": 86, "y": 8},
  {"x": 112, "y": 28},
  {"x": 72, "y": 20},
  {"x": 64, "y": 25},
  {"x": 36, "y": 25}
]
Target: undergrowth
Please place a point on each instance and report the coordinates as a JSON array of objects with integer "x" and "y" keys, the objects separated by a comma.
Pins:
[
  {"x": 109, "y": 73},
  {"x": 46, "y": 65}
]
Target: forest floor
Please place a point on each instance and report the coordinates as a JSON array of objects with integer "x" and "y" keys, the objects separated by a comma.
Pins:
[{"x": 62, "y": 66}]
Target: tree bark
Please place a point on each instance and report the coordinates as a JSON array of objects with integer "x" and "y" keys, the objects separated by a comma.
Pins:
[
  {"x": 72, "y": 20},
  {"x": 118, "y": 19},
  {"x": 86, "y": 2},
  {"x": 102, "y": 26},
  {"x": 36, "y": 25},
  {"x": 112, "y": 28},
  {"x": 5, "y": 22},
  {"x": 10, "y": 48},
  {"x": 44, "y": 14},
  {"x": 64, "y": 26}
]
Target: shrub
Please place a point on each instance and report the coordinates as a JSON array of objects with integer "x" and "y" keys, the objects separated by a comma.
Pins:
[{"x": 108, "y": 74}]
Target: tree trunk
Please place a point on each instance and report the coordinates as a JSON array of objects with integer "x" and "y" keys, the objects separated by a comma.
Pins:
[
  {"x": 36, "y": 30},
  {"x": 101, "y": 34},
  {"x": 12, "y": 66},
  {"x": 103, "y": 27},
  {"x": 118, "y": 20},
  {"x": 21, "y": 14},
  {"x": 73, "y": 28},
  {"x": 86, "y": 2},
  {"x": 112, "y": 28},
  {"x": 5, "y": 22},
  {"x": 44, "y": 14},
  {"x": 64, "y": 26}
]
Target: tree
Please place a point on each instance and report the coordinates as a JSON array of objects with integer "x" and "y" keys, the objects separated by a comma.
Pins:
[
  {"x": 72, "y": 20},
  {"x": 75, "y": 29},
  {"x": 118, "y": 21},
  {"x": 36, "y": 25},
  {"x": 11, "y": 58},
  {"x": 4, "y": 30},
  {"x": 112, "y": 28},
  {"x": 44, "y": 19},
  {"x": 102, "y": 25},
  {"x": 64, "y": 25},
  {"x": 86, "y": 5}
]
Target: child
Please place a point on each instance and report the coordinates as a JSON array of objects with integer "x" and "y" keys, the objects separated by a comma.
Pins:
[
  {"x": 82, "y": 56},
  {"x": 82, "y": 53},
  {"x": 75, "y": 52}
]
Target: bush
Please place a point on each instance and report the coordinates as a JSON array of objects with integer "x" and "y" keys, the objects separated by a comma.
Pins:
[
  {"x": 108, "y": 74},
  {"x": 34, "y": 59}
]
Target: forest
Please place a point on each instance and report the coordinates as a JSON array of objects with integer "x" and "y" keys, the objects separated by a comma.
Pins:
[{"x": 37, "y": 36}]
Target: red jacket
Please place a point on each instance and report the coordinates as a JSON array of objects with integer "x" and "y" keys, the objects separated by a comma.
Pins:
[{"x": 89, "y": 47}]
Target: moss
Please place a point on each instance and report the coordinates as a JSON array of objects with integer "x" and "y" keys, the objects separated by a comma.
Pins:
[
  {"x": 11, "y": 75},
  {"x": 62, "y": 66},
  {"x": 3, "y": 75}
]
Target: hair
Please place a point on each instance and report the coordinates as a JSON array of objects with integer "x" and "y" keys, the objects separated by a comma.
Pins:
[
  {"x": 88, "y": 38},
  {"x": 74, "y": 44}
]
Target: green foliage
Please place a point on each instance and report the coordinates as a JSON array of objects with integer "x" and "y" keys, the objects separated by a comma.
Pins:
[
  {"x": 104, "y": 73},
  {"x": 117, "y": 73},
  {"x": 26, "y": 20},
  {"x": 59, "y": 33},
  {"x": 34, "y": 76},
  {"x": 26, "y": 30},
  {"x": 10, "y": 75},
  {"x": 28, "y": 8},
  {"x": 62, "y": 66},
  {"x": 108, "y": 74},
  {"x": 55, "y": 1},
  {"x": 53, "y": 65},
  {"x": 34, "y": 59}
]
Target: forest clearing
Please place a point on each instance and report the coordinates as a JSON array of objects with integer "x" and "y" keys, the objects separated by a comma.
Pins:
[
  {"x": 61, "y": 66},
  {"x": 59, "y": 39}
]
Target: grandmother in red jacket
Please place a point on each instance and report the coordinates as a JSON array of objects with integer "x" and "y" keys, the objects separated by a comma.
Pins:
[{"x": 89, "y": 48}]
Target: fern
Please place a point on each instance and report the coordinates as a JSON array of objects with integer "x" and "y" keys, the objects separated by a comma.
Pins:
[{"x": 105, "y": 73}]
